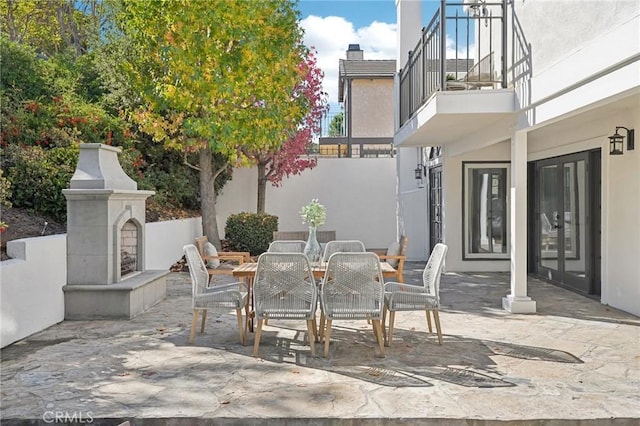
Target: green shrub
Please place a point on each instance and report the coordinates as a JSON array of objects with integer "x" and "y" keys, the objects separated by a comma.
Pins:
[
  {"x": 23, "y": 74},
  {"x": 5, "y": 190},
  {"x": 250, "y": 232},
  {"x": 38, "y": 177}
]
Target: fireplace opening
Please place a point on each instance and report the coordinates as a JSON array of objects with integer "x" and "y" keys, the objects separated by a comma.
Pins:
[{"x": 128, "y": 248}]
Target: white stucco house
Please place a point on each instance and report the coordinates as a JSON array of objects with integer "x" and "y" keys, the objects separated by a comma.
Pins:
[{"x": 518, "y": 169}]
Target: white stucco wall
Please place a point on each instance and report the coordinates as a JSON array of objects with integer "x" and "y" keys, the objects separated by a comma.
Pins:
[
  {"x": 164, "y": 241},
  {"x": 359, "y": 194},
  {"x": 412, "y": 201},
  {"x": 31, "y": 297},
  {"x": 621, "y": 222},
  {"x": 559, "y": 30},
  {"x": 611, "y": 36}
]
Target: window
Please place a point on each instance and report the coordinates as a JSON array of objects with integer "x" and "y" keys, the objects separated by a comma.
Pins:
[{"x": 486, "y": 212}]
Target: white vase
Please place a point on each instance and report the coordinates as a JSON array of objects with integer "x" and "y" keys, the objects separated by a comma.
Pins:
[{"x": 312, "y": 249}]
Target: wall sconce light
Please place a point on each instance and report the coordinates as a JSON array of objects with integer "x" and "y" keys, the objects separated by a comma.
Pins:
[
  {"x": 419, "y": 172},
  {"x": 477, "y": 7},
  {"x": 616, "y": 141}
]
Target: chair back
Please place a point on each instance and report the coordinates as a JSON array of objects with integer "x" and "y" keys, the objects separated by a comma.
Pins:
[
  {"x": 284, "y": 286},
  {"x": 433, "y": 270},
  {"x": 200, "y": 243},
  {"x": 353, "y": 286},
  {"x": 197, "y": 269},
  {"x": 286, "y": 246},
  {"x": 342, "y": 246}
]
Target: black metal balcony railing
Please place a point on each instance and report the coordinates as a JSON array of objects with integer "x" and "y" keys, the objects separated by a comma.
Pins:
[{"x": 461, "y": 48}]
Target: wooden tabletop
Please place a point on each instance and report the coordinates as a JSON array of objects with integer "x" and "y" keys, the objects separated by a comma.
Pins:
[{"x": 249, "y": 270}]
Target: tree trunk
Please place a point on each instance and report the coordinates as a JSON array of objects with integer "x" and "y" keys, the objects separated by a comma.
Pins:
[
  {"x": 262, "y": 188},
  {"x": 208, "y": 197},
  {"x": 11, "y": 23}
]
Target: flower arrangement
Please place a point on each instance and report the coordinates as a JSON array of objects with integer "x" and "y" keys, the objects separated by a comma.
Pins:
[{"x": 313, "y": 213}]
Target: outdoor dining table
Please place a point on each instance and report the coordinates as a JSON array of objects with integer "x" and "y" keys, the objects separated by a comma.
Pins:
[{"x": 247, "y": 271}]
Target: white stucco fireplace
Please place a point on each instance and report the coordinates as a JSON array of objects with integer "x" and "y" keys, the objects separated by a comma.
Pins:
[{"x": 106, "y": 277}]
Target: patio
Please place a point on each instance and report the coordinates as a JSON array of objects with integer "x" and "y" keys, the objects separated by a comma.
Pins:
[{"x": 575, "y": 361}]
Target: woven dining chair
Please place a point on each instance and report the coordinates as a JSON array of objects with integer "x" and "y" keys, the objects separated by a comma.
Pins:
[
  {"x": 407, "y": 297},
  {"x": 340, "y": 246},
  {"x": 352, "y": 289},
  {"x": 286, "y": 246},
  {"x": 223, "y": 296},
  {"x": 284, "y": 289}
]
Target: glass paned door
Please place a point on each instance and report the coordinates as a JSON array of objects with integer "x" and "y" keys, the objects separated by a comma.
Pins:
[
  {"x": 548, "y": 230},
  {"x": 435, "y": 206},
  {"x": 574, "y": 226},
  {"x": 565, "y": 200}
]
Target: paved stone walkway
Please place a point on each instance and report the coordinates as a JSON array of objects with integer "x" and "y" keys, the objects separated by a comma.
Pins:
[{"x": 574, "y": 362}]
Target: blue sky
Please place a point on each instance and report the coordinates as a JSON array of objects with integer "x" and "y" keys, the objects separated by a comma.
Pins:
[{"x": 359, "y": 12}]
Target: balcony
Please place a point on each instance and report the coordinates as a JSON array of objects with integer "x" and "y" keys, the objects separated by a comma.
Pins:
[{"x": 455, "y": 82}]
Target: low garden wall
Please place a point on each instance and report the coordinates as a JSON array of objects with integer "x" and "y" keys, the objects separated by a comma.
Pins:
[{"x": 31, "y": 297}]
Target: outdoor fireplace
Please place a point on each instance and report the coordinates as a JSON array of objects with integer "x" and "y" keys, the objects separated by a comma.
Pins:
[{"x": 106, "y": 240}]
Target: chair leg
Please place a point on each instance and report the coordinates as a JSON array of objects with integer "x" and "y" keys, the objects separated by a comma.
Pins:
[
  {"x": 312, "y": 331},
  {"x": 204, "y": 319},
  {"x": 240, "y": 325},
  {"x": 327, "y": 338},
  {"x": 392, "y": 320},
  {"x": 256, "y": 342},
  {"x": 384, "y": 322},
  {"x": 316, "y": 332},
  {"x": 436, "y": 317},
  {"x": 378, "y": 331},
  {"x": 429, "y": 321},
  {"x": 194, "y": 324},
  {"x": 247, "y": 315},
  {"x": 322, "y": 326}
]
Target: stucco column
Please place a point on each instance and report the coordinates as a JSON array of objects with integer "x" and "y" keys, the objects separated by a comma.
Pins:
[
  {"x": 517, "y": 301},
  {"x": 409, "y": 20}
]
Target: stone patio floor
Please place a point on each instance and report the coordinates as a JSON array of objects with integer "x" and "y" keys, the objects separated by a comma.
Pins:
[{"x": 575, "y": 361}]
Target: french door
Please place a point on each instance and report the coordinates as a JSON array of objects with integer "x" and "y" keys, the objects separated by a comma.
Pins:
[
  {"x": 435, "y": 206},
  {"x": 567, "y": 220}
]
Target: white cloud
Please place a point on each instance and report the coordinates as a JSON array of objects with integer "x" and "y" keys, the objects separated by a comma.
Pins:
[
  {"x": 462, "y": 49},
  {"x": 330, "y": 37}
]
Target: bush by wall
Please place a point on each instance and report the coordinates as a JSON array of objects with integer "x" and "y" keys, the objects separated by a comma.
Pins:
[
  {"x": 38, "y": 176},
  {"x": 250, "y": 232}
]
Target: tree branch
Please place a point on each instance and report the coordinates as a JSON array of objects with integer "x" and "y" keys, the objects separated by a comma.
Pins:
[
  {"x": 188, "y": 164},
  {"x": 219, "y": 170}
]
